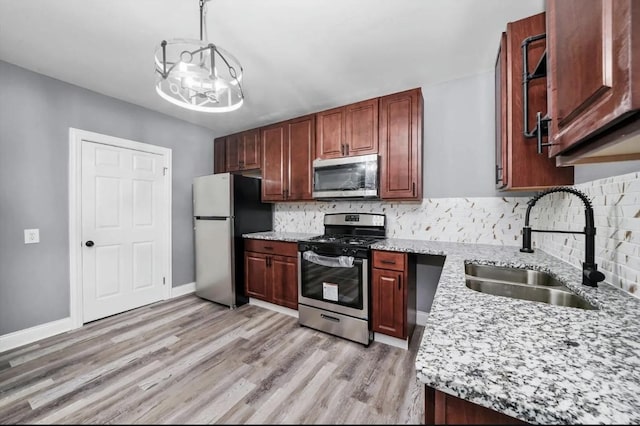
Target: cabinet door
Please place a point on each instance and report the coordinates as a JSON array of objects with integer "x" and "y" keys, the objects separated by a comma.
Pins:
[
  {"x": 330, "y": 133},
  {"x": 401, "y": 145},
  {"x": 526, "y": 169},
  {"x": 593, "y": 60},
  {"x": 502, "y": 123},
  {"x": 361, "y": 128},
  {"x": 284, "y": 279},
  {"x": 256, "y": 279},
  {"x": 388, "y": 302},
  {"x": 233, "y": 149},
  {"x": 219, "y": 155},
  {"x": 300, "y": 153},
  {"x": 251, "y": 158},
  {"x": 274, "y": 162}
]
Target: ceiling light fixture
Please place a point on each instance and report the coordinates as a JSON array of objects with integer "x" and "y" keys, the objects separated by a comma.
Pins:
[{"x": 198, "y": 75}]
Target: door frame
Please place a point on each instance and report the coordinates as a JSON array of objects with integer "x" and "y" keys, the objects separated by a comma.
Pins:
[{"x": 76, "y": 136}]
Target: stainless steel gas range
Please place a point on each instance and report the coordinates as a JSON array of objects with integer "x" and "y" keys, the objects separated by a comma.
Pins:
[{"x": 333, "y": 275}]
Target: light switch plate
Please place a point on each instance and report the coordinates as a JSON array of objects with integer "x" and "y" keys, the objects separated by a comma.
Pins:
[{"x": 31, "y": 236}]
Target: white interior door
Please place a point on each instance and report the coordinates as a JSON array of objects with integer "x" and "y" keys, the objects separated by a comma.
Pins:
[{"x": 123, "y": 201}]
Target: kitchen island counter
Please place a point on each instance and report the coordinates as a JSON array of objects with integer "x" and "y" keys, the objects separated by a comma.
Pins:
[{"x": 530, "y": 360}]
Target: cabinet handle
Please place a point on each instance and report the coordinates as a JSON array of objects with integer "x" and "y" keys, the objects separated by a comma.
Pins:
[
  {"x": 542, "y": 128},
  {"x": 399, "y": 282},
  {"x": 268, "y": 261},
  {"x": 268, "y": 247},
  {"x": 347, "y": 148},
  {"x": 388, "y": 262},
  {"x": 413, "y": 188}
]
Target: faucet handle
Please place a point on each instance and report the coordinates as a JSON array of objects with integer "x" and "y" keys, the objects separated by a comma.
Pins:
[{"x": 591, "y": 276}]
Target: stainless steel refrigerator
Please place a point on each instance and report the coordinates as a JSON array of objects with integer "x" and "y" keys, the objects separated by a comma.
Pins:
[{"x": 225, "y": 206}]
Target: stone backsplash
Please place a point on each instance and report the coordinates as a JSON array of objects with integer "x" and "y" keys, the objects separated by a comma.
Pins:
[{"x": 499, "y": 220}]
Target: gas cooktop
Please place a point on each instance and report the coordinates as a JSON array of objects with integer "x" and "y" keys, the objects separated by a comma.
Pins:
[{"x": 346, "y": 240}]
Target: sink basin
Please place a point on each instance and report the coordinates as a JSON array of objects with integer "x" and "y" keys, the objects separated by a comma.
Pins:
[
  {"x": 524, "y": 284},
  {"x": 501, "y": 273}
]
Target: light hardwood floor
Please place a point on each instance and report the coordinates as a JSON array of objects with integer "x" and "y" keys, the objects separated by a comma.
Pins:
[{"x": 190, "y": 361}]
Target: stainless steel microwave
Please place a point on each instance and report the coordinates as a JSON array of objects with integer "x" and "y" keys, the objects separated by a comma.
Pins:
[{"x": 348, "y": 177}]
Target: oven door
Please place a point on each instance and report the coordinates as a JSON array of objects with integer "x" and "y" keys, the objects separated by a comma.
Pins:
[
  {"x": 334, "y": 283},
  {"x": 350, "y": 177}
]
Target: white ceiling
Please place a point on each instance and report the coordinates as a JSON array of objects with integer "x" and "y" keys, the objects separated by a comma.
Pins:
[{"x": 299, "y": 56}]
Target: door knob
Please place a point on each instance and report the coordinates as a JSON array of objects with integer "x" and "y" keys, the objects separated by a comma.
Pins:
[{"x": 89, "y": 243}]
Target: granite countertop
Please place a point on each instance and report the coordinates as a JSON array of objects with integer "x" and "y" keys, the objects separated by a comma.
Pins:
[
  {"x": 533, "y": 361},
  {"x": 279, "y": 236}
]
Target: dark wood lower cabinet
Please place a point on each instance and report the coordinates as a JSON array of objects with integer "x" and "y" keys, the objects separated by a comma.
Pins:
[
  {"x": 443, "y": 409},
  {"x": 271, "y": 272},
  {"x": 284, "y": 278}
]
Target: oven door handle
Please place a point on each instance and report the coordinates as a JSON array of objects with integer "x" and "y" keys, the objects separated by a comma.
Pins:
[{"x": 328, "y": 261}]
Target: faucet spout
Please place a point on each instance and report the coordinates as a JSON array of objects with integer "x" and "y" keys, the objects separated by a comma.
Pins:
[{"x": 590, "y": 274}]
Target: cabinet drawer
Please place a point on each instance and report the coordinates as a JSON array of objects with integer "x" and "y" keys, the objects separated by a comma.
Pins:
[
  {"x": 272, "y": 247},
  {"x": 389, "y": 260}
]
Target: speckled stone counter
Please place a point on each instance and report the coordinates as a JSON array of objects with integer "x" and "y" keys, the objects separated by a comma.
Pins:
[
  {"x": 533, "y": 361},
  {"x": 279, "y": 236}
]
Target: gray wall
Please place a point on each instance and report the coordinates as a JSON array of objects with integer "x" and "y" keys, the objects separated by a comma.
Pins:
[
  {"x": 459, "y": 138},
  {"x": 35, "y": 115},
  {"x": 459, "y": 142}
]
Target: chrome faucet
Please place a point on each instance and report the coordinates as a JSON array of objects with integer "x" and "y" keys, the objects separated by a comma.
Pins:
[{"x": 590, "y": 274}]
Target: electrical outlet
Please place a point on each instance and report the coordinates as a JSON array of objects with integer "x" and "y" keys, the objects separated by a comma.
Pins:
[{"x": 31, "y": 236}]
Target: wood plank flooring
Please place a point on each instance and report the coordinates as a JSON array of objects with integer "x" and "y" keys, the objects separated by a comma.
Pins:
[{"x": 191, "y": 361}]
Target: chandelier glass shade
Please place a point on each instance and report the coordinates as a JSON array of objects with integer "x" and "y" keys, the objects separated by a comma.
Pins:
[{"x": 198, "y": 75}]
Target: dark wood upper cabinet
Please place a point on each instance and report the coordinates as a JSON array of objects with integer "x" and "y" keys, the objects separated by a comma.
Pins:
[
  {"x": 400, "y": 138},
  {"x": 274, "y": 165},
  {"x": 330, "y": 133},
  {"x": 233, "y": 150},
  {"x": 348, "y": 130},
  {"x": 361, "y": 127},
  {"x": 300, "y": 155},
  {"x": 518, "y": 164},
  {"x": 243, "y": 151},
  {"x": 288, "y": 152},
  {"x": 251, "y": 148},
  {"x": 219, "y": 155},
  {"x": 593, "y": 74},
  {"x": 502, "y": 123}
]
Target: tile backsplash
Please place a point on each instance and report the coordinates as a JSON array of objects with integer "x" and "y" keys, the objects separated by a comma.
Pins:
[
  {"x": 490, "y": 220},
  {"x": 616, "y": 208},
  {"x": 499, "y": 220}
]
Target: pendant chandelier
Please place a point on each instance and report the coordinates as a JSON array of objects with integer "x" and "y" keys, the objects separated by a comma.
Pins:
[{"x": 198, "y": 75}]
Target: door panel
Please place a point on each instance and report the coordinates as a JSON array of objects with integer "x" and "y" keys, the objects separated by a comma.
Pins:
[
  {"x": 400, "y": 143},
  {"x": 122, "y": 198},
  {"x": 257, "y": 281},
  {"x": 251, "y": 149},
  {"x": 214, "y": 260},
  {"x": 330, "y": 133},
  {"x": 361, "y": 127},
  {"x": 274, "y": 170},
  {"x": 301, "y": 155},
  {"x": 284, "y": 275},
  {"x": 233, "y": 151},
  {"x": 212, "y": 195},
  {"x": 388, "y": 302}
]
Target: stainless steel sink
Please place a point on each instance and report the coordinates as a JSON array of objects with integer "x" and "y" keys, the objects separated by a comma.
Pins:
[
  {"x": 501, "y": 273},
  {"x": 525, "y": 284}
]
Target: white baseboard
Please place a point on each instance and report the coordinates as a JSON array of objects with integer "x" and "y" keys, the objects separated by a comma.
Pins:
[
  {"x": 391, "y": 341},
  {"x": 183, "y": 289},
  {"x": 32, "y": 334},
  {"x": 421, "y": 318},
  {"x": 273, "y": 307}
]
